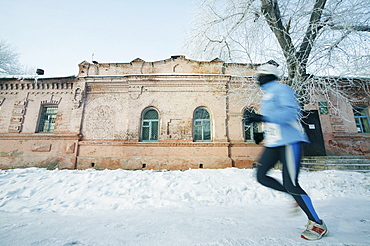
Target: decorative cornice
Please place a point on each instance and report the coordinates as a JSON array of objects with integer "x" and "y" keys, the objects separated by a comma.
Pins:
[
  {"x": 37, "y": 136},
  {"x": 18, "y": 85},
  {"x": 152, "y": 144},
  {"x": 157, "y": 76}
]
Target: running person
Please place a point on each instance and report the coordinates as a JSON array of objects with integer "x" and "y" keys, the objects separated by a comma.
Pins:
[{"x": 283, "y": 137}]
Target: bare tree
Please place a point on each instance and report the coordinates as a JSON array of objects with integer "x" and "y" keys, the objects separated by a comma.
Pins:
[
  {"x": 308, "y": 38},
  {"x": 9, "y": 60}
]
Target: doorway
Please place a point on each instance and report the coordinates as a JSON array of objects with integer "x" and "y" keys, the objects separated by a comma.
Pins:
[{"x": 311, "y": 124}]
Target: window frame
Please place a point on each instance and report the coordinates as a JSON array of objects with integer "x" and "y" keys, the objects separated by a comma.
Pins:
[
  {"x": 323, "y": 108},
  {"x": 51, "y": 118},
  {"x": 203, "y": 124},
  {"x": 149, "y": 124},
  {"x": 361, "y": 119},
  {"x": 253, "y": 127}
]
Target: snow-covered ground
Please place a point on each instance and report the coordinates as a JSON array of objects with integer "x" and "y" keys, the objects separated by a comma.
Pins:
[{"x": 194, "y": 207}]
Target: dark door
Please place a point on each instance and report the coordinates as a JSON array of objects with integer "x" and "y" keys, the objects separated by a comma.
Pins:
[{"x": 312, "y": 126}]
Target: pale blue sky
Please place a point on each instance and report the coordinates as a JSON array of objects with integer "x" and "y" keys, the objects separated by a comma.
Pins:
[{"x": 56, "y": 35}]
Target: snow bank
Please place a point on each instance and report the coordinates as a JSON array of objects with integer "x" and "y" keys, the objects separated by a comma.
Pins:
[
  {"x": 200, "y": 207},
  {"x": 34, "y": 189}
]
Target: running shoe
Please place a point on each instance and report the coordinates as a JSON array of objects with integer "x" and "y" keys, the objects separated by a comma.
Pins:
[{"x": 314, "y": 231}]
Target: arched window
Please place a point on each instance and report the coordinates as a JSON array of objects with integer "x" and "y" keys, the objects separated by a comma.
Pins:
[
  {"x": 149, "y": 126},
  {"x": 249, "y": 129},
  {"x": 202, "y": 125}
]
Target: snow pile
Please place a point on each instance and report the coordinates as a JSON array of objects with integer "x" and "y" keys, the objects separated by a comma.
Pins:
[{"x": 193, "y": 207}]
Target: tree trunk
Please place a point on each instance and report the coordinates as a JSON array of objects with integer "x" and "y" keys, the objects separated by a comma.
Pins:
[{"x": 296, "y": 61}]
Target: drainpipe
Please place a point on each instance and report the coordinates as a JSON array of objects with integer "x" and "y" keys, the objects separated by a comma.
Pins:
[
  {"x": 227, "y": 101},
  {"x": 80, "y": 135}
]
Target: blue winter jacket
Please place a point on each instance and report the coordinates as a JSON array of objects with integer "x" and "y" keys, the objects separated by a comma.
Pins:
[{"x": 280, "y": 110}]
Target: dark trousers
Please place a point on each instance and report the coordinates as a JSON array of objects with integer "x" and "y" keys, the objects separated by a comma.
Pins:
[{"x": 290, "y": 157}]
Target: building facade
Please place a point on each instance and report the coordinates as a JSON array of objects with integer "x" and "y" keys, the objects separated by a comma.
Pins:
[{"x": 171, "y": 114}]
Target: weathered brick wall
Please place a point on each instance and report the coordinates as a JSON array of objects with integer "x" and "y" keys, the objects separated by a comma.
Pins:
[
  {"x": 339, "y": 128},
  {"x": 21, "y": 145},
  {"x": 98, "y": 123},
  {"x": 112, "y": 123}
]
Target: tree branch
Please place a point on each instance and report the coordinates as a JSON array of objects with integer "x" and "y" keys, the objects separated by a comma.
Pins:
[
  {"x": 351, "y": 28},
  {"x": 271, "y": 12},
  {"x": 315, "y": 25}
]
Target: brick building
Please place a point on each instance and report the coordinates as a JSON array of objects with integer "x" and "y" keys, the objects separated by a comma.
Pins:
[{"x": 171, "y": 114}]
